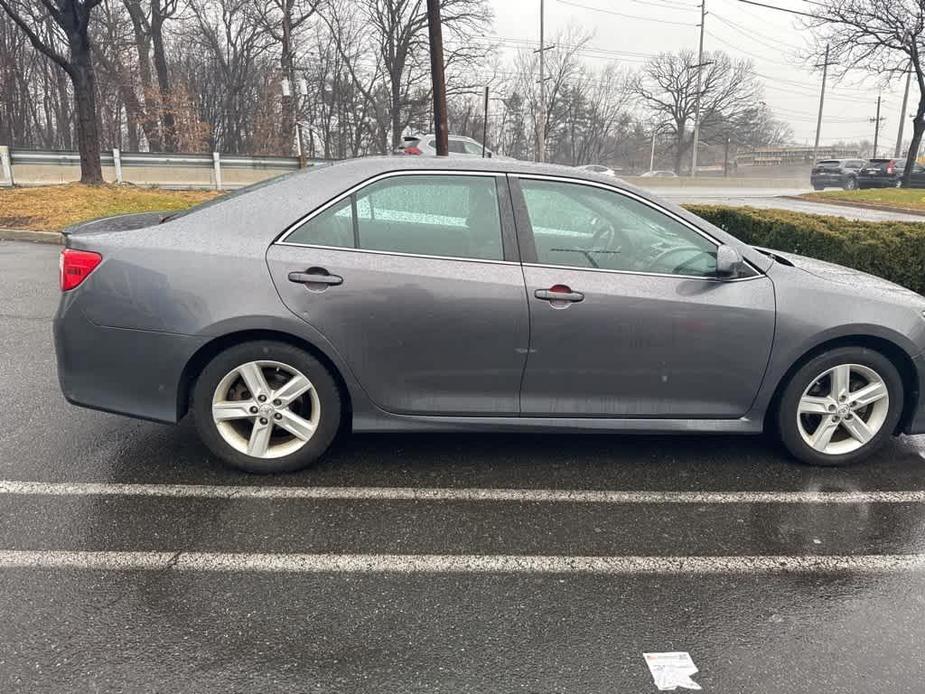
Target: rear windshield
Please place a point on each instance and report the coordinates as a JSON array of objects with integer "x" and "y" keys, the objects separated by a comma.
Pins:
[
  {"x": 829, "y": 164},
  {"x": 237, "y": 192}
]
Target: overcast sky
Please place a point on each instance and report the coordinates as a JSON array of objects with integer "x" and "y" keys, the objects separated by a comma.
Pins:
[{"x": 772, "y": 40}]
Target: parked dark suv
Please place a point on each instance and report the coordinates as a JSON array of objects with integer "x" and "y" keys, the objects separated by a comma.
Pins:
[
  {"x": 888, "y": 173},
  {"x": 836, "y": 173}
]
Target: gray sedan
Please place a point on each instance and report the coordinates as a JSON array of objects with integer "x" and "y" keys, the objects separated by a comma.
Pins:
[{"x": 408, "y": 294}]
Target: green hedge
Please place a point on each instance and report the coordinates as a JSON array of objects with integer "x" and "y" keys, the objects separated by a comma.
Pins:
[{"x": 892, "y": 250}]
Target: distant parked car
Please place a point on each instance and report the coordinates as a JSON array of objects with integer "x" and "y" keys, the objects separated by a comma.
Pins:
[
  {"x": 459, "y": 146},
  {"x": 599, "y": 169},
  {"x": 836, "y": 173},
  {"x": 659, "y": 174},
  {"x": 888, "y": 173}
]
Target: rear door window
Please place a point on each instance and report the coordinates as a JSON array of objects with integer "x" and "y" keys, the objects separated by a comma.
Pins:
[
  {"x": 332, "y": 227},
  {"x": 438, "y": 215}
]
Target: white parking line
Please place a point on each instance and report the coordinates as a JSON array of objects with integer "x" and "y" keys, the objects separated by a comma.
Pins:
[
  {"x": 211, "y": 491},
  {"x": 451, "y": 564}
]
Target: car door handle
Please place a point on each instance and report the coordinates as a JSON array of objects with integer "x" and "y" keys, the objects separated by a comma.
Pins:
[
  {"x": 558, "y": 293},
  {"x": 315, "y": 278}
]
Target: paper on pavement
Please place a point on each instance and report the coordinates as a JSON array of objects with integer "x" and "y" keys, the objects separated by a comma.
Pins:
[{"x": 671, "y": 670}]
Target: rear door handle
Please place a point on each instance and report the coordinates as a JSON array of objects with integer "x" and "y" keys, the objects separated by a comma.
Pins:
[
  {"x": 558, "y": 293},
  {"x": 315, "y": 278}
]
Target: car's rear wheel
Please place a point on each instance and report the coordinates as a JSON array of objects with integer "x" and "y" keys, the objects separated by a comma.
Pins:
[
  {"x": 266, "y": 407},
  {"x": 851, "y": 183},
  {"x": 840, "y": 406}
]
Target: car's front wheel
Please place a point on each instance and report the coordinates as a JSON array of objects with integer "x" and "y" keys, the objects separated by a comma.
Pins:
[
  {"x": 851, "y": 183},
  {"x": 840, "y": 406},
  {"x": 266, "y": 407}
]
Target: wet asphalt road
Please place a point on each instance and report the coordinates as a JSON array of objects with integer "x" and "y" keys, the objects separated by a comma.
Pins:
[{"x": 167, "y": 628}]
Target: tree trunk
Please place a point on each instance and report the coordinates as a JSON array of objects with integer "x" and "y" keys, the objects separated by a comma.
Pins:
[
  {"x": 679, "y": 150},
  {"x": 88, "y": 134},
  {"x": 288, "y": 102},
  {"x": 163, "y": 78},
  {"x": 918, "y": 129}
]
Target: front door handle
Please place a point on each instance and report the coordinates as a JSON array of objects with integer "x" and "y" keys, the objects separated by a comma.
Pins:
[
  {"x": 316, "y": 277},
  {"x": 558, "y": 292}
]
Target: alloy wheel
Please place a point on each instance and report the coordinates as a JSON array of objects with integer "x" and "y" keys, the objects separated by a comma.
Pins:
[
  {"x": 266, "y": 409},
  {"x": 843, "y": 408}
]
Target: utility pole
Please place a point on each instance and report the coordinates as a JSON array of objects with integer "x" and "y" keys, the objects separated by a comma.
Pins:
[
  {"x": 902, "y": 117},
  {"x": 652, "y": 153},
  {"x": 541, "y": 121},
  {"x": 825, "y": 73},
  {"x": 703, "y": 15},
  {"x": 876, "y": 126},
  {"x": 437, "y": 77},
  {"x": 485, "y": 122},
  {"x": 726, "y": 157}
]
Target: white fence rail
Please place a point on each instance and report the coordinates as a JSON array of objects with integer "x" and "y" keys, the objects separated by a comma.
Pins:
[{"x": 219, "y": 171}]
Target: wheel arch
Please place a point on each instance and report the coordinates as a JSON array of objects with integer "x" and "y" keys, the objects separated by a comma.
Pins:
[
  {"x": 892, "y": 351},
  {"x": 208, "y": 351}
]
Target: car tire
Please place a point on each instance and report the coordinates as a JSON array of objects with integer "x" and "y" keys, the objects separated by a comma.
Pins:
[
  {"x": 854, "y": 430},
  {"x": 851, "y": 183},
  {"x": 815, "y": 187},
  {"x": 266, "y": 434}
]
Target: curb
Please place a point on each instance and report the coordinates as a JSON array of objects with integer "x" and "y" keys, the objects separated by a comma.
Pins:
[
  {"x": 30, "y": 235},
  {"x": 859, "y": 205}
]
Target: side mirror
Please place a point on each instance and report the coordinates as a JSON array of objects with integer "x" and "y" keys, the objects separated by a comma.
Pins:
[{"x": 728, "y": 262}]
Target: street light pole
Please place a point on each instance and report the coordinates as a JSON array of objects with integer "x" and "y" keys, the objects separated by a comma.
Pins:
[
  {"x": 902, "y": 117},
  {"x": 437, "y": 77},
  {"x": 703, "y": 15},
  {"x": 825, "y": 72}
]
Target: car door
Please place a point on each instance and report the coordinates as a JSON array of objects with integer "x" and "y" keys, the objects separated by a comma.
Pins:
[
  {"x": 415, "y": 280},
  {"x": 917, "y": 180},
  {"x": 628, "y": 318}
]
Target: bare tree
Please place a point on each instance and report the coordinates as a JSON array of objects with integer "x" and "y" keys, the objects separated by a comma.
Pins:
[
  {"x": 72, "y": 19},
  {"x": 148, "y": 18},
  {"x": 881, "y": 36},
  {"x": 282, "y": 19},
  {"x": 667, "y": 87},
  {"x": 396, "y": 34}
]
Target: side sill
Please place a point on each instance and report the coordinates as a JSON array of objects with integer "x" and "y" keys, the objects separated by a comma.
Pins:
[{"x": 385, "y": 422}]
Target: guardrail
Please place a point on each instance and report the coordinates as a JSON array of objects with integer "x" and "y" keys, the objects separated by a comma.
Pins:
[{"x": 219, "y": 171}]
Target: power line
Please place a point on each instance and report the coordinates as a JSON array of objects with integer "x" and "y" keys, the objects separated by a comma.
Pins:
[
  {"x": 621, "y": 14},
  {"x": 754, "y": 36},
  {"x": 779, "y": 9}
]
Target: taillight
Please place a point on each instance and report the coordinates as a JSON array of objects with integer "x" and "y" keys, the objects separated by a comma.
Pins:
[
  {"x": 891, "y": 168},
  {"x": 76, "y": 266},
  {"x": 411, "y": 150}
]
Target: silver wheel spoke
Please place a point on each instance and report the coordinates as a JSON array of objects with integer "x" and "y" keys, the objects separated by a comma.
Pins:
[
  {"x": 869, "y": 394},
  {"x": 840, "y": 377},
  {"x": 810, "y": 404},
  {"x": 823, "y": 433},
  {"x": 254, "y": 379},
  {"x": 232, "y": 409},
  {"x": 260, "y": 439},
  {"x": 296, "y": 425},
  {"x": 292, "y": 389},
  {"x": 858, "y": 429}
]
